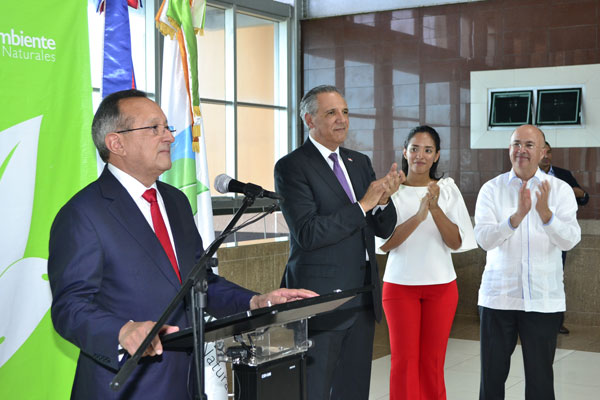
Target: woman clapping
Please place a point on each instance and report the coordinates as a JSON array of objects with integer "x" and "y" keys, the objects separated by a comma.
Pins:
[{"x": 419, "y": 291}]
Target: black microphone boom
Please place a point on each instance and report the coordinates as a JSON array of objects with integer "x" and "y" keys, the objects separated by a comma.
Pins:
[{"x": 226, "y": 184}]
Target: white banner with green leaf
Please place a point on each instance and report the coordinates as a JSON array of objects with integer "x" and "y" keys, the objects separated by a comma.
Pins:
[{"x": 46, "y": 155}]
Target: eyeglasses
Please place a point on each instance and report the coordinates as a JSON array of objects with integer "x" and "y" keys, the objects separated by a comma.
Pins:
[
  {"x": 520, "y": 146},
  {"x": 156, "y": 128}
]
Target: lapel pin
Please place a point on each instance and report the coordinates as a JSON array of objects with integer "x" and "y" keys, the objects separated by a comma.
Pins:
[{"x": 349, "y": 159}]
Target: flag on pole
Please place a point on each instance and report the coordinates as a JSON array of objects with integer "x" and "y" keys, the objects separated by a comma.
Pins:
[
  {"x": 132, "y": 3},
  {"x": 117, "y": 71},
  {"x": 180, "y": 21}
]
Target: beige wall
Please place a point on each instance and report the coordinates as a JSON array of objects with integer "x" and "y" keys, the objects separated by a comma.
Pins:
[
  {"x": 257, "y": 265},
  {"x": 260, "y": 266}
]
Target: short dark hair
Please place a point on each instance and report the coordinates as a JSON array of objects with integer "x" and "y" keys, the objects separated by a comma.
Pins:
[
  {"x": 308, "y": 104},
  {"x": 436, "y": 139},
  {"x": 108, "y": 118}
]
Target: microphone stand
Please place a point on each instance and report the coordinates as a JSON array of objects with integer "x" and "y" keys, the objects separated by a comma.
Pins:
[{"x": 197, "y": 286}]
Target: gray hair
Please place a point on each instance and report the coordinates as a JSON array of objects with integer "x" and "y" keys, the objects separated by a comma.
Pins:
[
  {"x": 308, "y": 104},
  {"x": 108, "y": 118}
]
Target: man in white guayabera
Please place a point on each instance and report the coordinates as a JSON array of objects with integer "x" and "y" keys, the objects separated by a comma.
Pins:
[{"x": 524, "y": 219}]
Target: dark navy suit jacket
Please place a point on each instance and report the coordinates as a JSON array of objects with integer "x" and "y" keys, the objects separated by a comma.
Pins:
[
  {"x": 329, "y": 235},
  {"x": 106, "y": 267},
  {"x": 567, "y": 176}
]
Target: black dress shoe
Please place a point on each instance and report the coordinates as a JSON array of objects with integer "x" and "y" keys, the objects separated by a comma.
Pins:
[{"x": 563, "y": 329}]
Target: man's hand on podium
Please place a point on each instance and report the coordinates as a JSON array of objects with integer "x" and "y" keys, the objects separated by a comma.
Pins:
[
  {"x": 279, "y": 296},
  {"x": 132, "y": 334}
]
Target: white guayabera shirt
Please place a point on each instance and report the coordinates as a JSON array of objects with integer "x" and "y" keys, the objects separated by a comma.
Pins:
[{"x": 523, "y": 269}]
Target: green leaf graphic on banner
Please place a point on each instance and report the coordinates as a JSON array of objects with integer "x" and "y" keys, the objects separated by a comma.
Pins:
[
  {"x": 50, "y": 87},
  {"x": 5, "y": 163}
]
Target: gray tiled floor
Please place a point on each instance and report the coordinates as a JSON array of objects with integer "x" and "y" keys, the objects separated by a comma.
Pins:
[
  {"x": 576, "y": 365},
  {"x": 576, "y": 374}
]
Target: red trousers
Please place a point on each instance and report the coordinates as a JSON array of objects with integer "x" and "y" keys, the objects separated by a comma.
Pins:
[{"x": 419, "y": 321}]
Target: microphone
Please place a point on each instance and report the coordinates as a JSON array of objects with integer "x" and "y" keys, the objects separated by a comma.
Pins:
[{"x": 226, "y": 184}]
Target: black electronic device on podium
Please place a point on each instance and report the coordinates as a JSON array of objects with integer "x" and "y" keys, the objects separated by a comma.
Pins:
[{"x": 266, "y": 346}]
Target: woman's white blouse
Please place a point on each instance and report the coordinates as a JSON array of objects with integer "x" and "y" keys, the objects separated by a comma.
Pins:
[{"x": 424, "y": 258}]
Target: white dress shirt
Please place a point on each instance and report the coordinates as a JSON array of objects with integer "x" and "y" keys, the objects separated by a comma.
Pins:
[
  {"x": 136, "y": 189},
  {"x": 523, "y": 269},
  {"x": 423, "y": 258},
  {"x": 325, "y": 152}
]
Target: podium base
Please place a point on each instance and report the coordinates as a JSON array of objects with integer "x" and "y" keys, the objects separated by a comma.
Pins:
[{"x": 268, "y": 381}]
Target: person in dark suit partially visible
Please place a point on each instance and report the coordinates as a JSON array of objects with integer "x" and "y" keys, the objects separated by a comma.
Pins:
[
  {"x": 118, "y": 252},
  {"x": 581, "y": 195},
  {"x": 545, "y": 164},
  {"x": 334, "y": 207}
]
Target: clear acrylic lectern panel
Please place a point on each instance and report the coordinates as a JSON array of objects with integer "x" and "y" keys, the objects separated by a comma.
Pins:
[{"x": 264, "y": 344}]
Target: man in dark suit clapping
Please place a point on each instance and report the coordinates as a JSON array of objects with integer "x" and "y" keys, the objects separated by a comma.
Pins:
[{"x": 334, "y": 207}]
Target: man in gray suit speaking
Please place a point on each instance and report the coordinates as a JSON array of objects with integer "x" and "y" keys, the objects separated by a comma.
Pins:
[{"x": 334, "y": 207}]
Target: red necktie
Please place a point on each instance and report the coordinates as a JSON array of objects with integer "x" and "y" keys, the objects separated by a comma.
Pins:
[{"x": 160, "y": 228}]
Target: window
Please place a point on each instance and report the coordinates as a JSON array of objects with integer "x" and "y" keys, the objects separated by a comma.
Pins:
[
  {"x": 243, "y": 89},
  {"x": 244, "y": 84},
  {"x": 511, "y": 108},
  {"x": 541, "y": 106},
  {"x": 559, "y": 107},
  {"x": 245, "y": 62}
]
